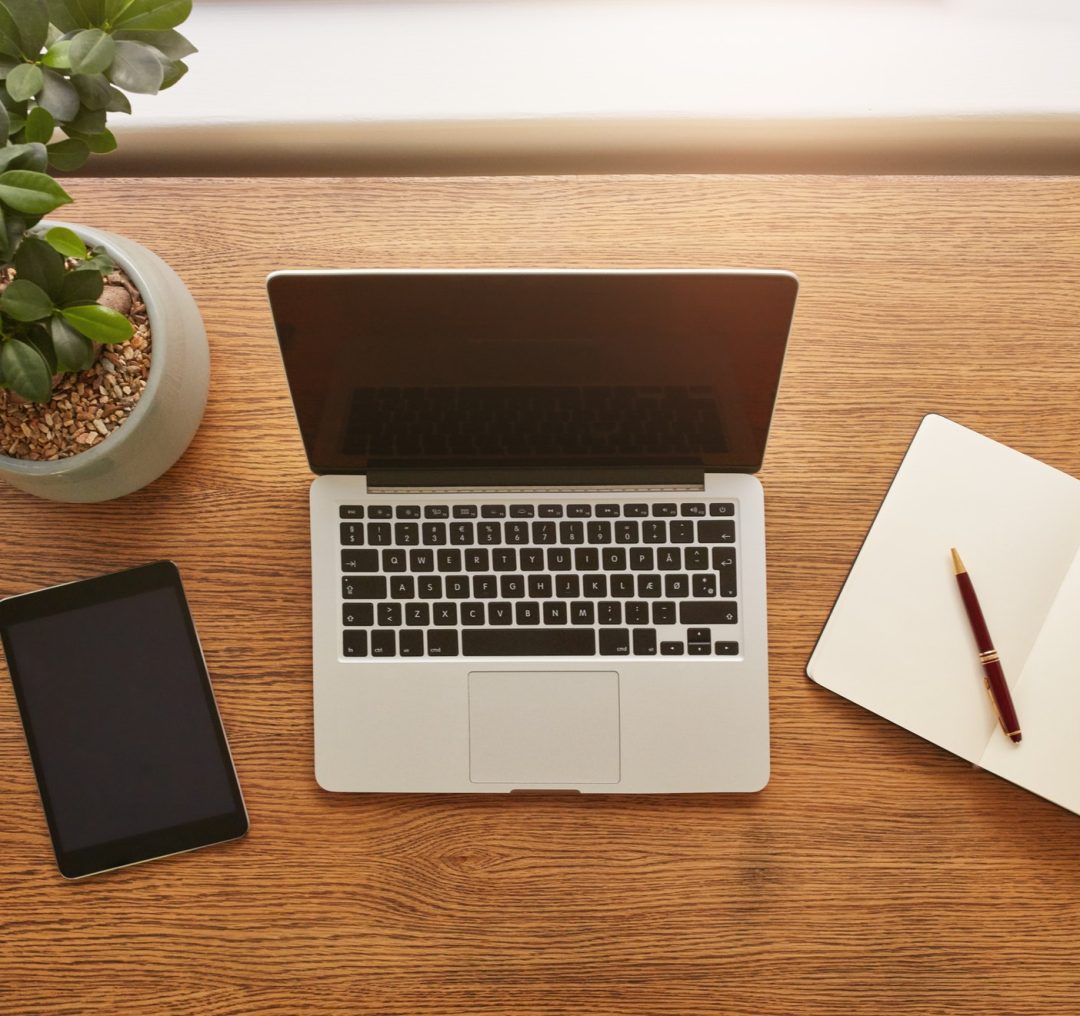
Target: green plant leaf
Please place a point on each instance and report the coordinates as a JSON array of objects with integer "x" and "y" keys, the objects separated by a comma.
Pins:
[
  {"x": 173, "y": 73},
  {"x": 59, "y": 96},
  {"x": 5, "y": 124},
  {"x": 58, "y": 55},
  {"x": 87, "y": 121},
  {"x": 68, "y": 155},
  {"x": 171, "y": 43},
  {"x": 93, "y": 90},
  {"x": 9, "y": 63},
  {"x": 30, "y": 192},
  {"x": 137, "y": 67},
  {"x": 81, "y": 286},
  {"x": 85, "y": 13},
  {"x": 60, "y": 16},
  {"x": 102, "y": 324},
  {"x": 24, "y": 300},
  {"x": 118, "y": 102},
  {"x": 37, "y": 262},
  {"x": 32, "y": 24},
  {"x": 25, "y": 81},
  {"x": 29, "y": 156},
  {"x": 10, "y": 40},
  {"x": 66, "y": 242},
  {"x": 25, "y": 370},
  {"x": 99, "y": 262},
  {"x": 73, "y": 351},
  {"x": 39, "y": 125},
  {"x": 91, "y": 51},
  {"x": 101, "y": 143},
  {"x": 38, "y": 336},
  {"x": 153, "y": 15}
]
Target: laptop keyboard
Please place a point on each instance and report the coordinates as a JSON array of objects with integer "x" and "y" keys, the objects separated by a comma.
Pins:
[{"x": 543, "y": 579}]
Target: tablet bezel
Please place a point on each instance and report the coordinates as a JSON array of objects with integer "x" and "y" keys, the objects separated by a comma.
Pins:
[{"x": 154, "y": 843}]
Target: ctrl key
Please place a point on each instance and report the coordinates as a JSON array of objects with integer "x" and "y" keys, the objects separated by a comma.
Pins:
[{"x": 356, "y": 643}]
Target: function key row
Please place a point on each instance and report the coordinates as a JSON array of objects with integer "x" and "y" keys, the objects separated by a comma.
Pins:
[{"x": 669, "y": 509}]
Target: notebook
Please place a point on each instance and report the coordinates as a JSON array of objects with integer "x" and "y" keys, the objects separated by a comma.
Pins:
[{"x": 898, "y": 642}]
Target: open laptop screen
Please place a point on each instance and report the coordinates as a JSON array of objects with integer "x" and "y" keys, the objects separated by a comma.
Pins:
[{"x": 533, "y": 369}]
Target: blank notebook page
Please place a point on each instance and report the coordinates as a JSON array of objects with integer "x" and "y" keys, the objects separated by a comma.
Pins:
[{"x": 898, "y": 641}]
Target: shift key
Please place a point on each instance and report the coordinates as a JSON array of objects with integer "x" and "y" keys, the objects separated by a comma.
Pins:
[{"x": 708, "y": 612}]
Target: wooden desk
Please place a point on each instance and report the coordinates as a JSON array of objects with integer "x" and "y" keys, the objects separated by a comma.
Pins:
[{"x": 875, "y": 873}]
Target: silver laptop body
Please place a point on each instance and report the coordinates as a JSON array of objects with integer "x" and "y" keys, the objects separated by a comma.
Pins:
[{"x": 538, "y": 549}]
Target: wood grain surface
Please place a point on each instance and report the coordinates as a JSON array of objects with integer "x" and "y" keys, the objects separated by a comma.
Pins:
[{"x": 876, "y": 873}]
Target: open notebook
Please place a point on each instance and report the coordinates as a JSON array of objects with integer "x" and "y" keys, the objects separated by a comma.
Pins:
[{"x": 898, "y": 641}]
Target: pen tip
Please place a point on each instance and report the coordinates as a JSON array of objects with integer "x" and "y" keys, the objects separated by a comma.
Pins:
[{"x": 958, "y": 565}]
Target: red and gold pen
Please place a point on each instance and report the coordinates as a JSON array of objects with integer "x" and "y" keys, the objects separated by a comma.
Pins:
[{"x": 988, "y": 657}]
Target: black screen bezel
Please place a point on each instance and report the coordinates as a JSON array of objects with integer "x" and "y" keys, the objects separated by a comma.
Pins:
[
  {"x": 279, "y": 283},
  {"x": 154, "y": 843}
]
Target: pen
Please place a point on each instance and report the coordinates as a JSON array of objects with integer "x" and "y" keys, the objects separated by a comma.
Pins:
[{"x": 988, "y": 657}]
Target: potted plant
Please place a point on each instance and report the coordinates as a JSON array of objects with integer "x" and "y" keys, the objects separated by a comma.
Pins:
[{"x": 104, "y": 365}]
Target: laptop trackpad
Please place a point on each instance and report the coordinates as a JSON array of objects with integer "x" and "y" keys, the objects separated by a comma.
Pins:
[{"x": 544, "y": 727}]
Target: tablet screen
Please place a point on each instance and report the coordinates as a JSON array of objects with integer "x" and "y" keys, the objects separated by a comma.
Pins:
[{"x": 120, "y": 718}]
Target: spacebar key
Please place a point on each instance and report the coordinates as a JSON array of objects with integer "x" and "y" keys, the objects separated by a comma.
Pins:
[{"x": 519, "y": 642}]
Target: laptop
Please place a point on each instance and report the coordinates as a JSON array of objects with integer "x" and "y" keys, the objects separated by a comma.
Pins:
[{"x": 538, "y": 546}]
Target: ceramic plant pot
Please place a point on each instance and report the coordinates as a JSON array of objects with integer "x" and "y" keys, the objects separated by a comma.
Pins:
[{"x": 167, "y": 414}]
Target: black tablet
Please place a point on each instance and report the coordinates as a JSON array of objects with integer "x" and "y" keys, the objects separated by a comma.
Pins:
[{"x": 124, "y": 735}]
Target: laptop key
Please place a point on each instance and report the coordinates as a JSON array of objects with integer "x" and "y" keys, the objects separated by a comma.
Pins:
[
  {"x": 521, "y": 511},
  {"x": 406, "y": 533},
  {"x": 716, "y": 531},
  {"x": 493, "y": 511},
  {"x": 442, "y": 643},
  {"x": 527, "y": 612},
  {"x": 359, "y": 560},
  {"x": 544, "y": 533},
  {"x": 477, "y": 560},
  {"x": 622, "y": 585},
  {"x": 352, "y": 533},
  {"x": 609, "y": 612},
  {"x": 380, "y": 511},
  {"x": 457, "y": 587},
  {"x": 488, "y": 533},
  {"x": 448, "y": 560},
  {"x": 678, "y": 586},
  {"x": 607, "y": 511},
  {"x": 558, "y": 559},
  {"x": 644, "y": 641},
  {"x": 408, "y": 511},
  {"x": 389, "y": 615},
  {"x": 635, "y": 509},
  {"x": 383, "y": 642},
  {"x": 429, "y": 587},
  {"x": 727, "y": 648},
  {"x": 517, "y": 532},
  {"x": 379, "y": 533},
  {"x": 641, "y": 559},
  {"x": 351, "y": 511},
  {"x": 705, "y": 584},
  {"x": 403, "y": 587},
  {"x": 579, "y": 511},
  {"x": 357, "y": 615},
  {"x": 417, "y": 615},
  {"x": 436, "y": 511},
  {"x": 672, "y": 649},
  {"x": 613, "y": 559},
  {"x": 355, "y": 642},
  {"x": 668, "y": 558},
  {"x": 699, "y": 635},
  {"x": 540, "y": 586},
  {"x": 532, "y": 560},
  {"x": 595, "y": 585},
  {"x": 586, "y": 559},
  {"x": 571, "y": 532},
  {"x": 627, "y": 531},
  {"x": 664, "y": 508},
  {"x": 599, "y": 532},
  {"x": 699, "y": 649},
  {"x": 682, "y": 531},
  {"x": 422, "y": 560},
  {"x": 461, "y": 534},
  {"x": 638, "y": 612},
  {"x": 472, "y": 613},
  {"x": 555, "y": 613},
  {"x": 614, "y": 642},
  {"x": 367, "y": 587},
  {"x": 693, "y": 508},
  {"x": 504, "y": 559},
  {"x": 696, "y": 558},
  {"x": 434, "y": 534},
  {"x": 662, "y": 613},
  {"x": 648, "y": 585},
  {"x": 393, "y": 560},
  {"x": 528, "y": 642},
  {"x": 708, "y": 612},
  {"x": 500, "y": 613},
  {"x": 550, "y": 511},
  {"x": 464, "y": 511},
  {"x": 512, "y": 586},
  {"x": 567, "y": 586},
  {"x": 411, "y": 643},
  {"x": 722, "y": 508},
  {"x": 444, "y": 614},
  {"x": 485, "y": 587},
  {"x": 581, "y": 612},
  {"x": 654, "y": 531}
]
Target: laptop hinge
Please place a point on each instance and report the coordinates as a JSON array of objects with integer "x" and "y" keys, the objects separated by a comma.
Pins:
[{"x": 530, "y": 479}]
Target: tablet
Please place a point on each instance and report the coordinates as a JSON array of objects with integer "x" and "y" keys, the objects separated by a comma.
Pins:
[{"x": 124, "y": 734}]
